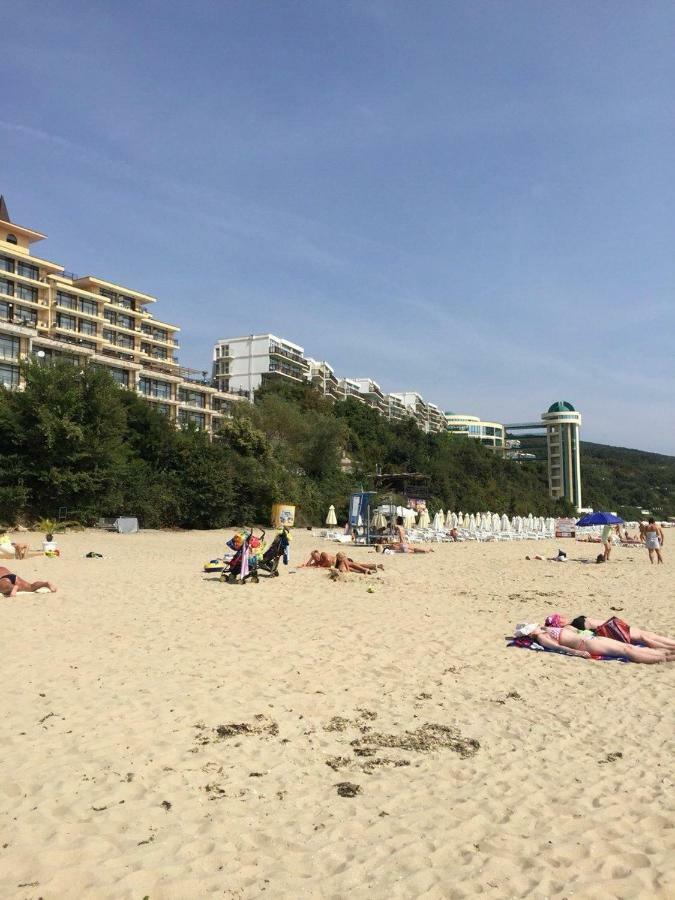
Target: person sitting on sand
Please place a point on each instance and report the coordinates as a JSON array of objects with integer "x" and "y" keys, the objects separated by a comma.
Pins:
[
  {"x": 637, "y": 635},
  {"x": 585, "y": 644},
  {"x": 11, "y": 549},
  {"x": 11, "y": 584},
  {"x": 344, "y": 564},
  {"x": 402, "y": 545}
]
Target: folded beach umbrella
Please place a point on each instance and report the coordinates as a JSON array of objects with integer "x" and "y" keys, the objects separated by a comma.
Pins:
[
  {"x": 496, "y": 522},
  {"x": 439, "y": 521},
  {"x": 454, "y": 520},
  {"x": 472, "y": 522},
  {"x": 379, "y": 520},
  {"x": 331, "y": 518},
  {"x": 600, "y": 518},
  {"x": 505, "y": 524},
  {"x": 460, "y": 519},
  {"x": 423, "y": 520},
  {"x": 448, "y": 519}
]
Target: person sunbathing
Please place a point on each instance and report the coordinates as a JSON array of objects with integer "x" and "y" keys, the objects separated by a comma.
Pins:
[
  {"x": 344, "y": 564},
  {"x": 11, "y": 584},
  {"x": 637, "y": 635},
  {"x": 318, "y": 561},
  {"x": 561, "y": 557},
  {"x": 586, "y": 645}
]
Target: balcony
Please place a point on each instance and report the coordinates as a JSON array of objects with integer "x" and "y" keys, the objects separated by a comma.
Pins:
[{"x": 292, "y": 355}]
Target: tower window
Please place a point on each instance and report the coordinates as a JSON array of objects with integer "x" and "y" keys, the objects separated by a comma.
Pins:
[{"x": 11, "y": 239}]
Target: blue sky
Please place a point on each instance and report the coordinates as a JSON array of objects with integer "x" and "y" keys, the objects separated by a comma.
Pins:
[{"x": 473, "y": 200}]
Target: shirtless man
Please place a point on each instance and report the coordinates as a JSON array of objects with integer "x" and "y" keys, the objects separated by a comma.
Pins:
[
  {"x": 654, "y": 540},
  {"x": 318, "y": 561},
  {"x": 11, "y": 584},
  {"x": 341, "y": 562}
]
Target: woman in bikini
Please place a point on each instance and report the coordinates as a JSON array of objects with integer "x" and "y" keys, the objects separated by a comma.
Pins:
[
  {"x": 11, "y": 584},
  {"x": 637, "y": 635},
  {"x": 585, "y": 644}
]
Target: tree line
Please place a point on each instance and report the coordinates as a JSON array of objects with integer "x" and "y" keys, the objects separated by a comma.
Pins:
[{"x": 73, "y": 440}]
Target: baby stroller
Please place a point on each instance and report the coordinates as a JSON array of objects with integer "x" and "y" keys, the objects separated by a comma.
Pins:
[
  {"x": 248, "y": 552},
  {"x": 276, "y": 551}
]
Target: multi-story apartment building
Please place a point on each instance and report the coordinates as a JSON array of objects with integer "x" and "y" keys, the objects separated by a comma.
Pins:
[
  {"x": 491, "y": 434},
  {"x": 371, "y": 393},
  {"x": 46, "y": 312},
  {"x": 322, "y": 377},
  {"x": 242, "y": 364}
]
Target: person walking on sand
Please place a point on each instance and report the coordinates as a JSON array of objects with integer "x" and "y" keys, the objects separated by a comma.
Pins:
[
  {"x": 11, "y": 584},
  {"x": 654, "y": 540}
]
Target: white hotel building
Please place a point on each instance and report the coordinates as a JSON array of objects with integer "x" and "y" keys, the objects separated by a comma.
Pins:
[{"x": 241, "y": 365}]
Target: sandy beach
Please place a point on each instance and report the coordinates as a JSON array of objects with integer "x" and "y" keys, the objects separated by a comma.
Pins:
[{"x": 168, "y": 736}]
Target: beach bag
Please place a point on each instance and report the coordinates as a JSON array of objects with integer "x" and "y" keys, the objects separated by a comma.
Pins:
[{"x": 616, "y": 629}]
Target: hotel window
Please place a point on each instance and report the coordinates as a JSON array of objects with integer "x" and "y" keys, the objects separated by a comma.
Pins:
[
  {"x": 9, "y": 347},
  {"x": 6, "y": 287},
  {"x": 191, "y": 418},
  {"x": 89, "y": 307},
  {"x": 67, "y": 301},
  {"x": 110, "y": 316},
  {"x": 26, "y": 292},
  {"x": 11, "y": 239},
  {"x": 64, "y": 321},
  {"x": 123, "y": 340},
  {"x": 109, "y": 295},
  {"x": 9, "y": 376},
  {"x": 121, "y": 376},
  {"x": 6, "y": 264},
  {"x": 125, "y": 321},
  {"x": 25, "y": 316},
  {"x": 126, "y": 302},
  {"x": 27, "y": 270},
  {"x": 6, "y": 311},
  {"x": 85, "y": 327},
  {"x": 153, "y": 388},
  {"x": 194, "y": 398}
]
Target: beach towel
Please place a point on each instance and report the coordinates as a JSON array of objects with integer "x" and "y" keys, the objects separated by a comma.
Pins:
[{"x": 528, "y": 644}]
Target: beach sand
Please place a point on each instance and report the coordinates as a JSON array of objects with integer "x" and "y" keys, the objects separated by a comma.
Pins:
[{"x": 479, "y": 770}]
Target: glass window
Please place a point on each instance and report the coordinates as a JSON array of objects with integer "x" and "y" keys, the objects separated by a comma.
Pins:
[
  {"x": 194, "y": 398},
  {"x": 26, "y": 292},
  {"x": 9, "y": 375},
  {"x": 123, "y": 340},
  {"x": 27, "y": 270},
  {"x": 85, "y": 327},
  {"x": 153, "y": 388},
  {"x": 110, "y": 316},
  {"x": 9, "y": 347},
  {"x": 6, "y": 287},
  {"x": 89, "y": 307},
  {"x": 191, "y": 418},
  {"x": 11, "y": 239},
  {"x": 67, "y": 301},
  {"x": 25, "y": 316},
  {"x": 104, "y": 292},
  {"x": 6, "y": 311},
  {"x": 64, "y": 321},
  {"x": 125, "y": 321},
  {"x": 6, "y": 264},
  {"x": 121, "y": 376},
  {"x": 126, "y": 302}
]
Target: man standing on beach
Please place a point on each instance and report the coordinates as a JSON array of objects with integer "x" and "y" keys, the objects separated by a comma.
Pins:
[{"x": 654, "y": 540}]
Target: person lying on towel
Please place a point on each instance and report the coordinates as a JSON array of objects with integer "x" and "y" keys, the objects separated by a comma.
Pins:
[
  {"x": 586, "y": 644},
  {"x": 614, "y": 628}
]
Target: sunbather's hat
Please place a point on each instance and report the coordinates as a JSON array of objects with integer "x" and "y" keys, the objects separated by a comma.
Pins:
[
  {"x": 524, "y": 629},
  {"x": 553, "y": 619}
]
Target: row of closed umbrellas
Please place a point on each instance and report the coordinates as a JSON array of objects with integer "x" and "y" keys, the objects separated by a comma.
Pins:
[{"x": 486, "y": 521}]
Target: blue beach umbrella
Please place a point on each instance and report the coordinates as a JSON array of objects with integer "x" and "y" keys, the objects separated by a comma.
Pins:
[{"x": 600, "y": 518}]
